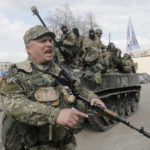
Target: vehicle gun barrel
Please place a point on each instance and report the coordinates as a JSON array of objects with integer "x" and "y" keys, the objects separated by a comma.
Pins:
[{"x": 35, "y": 12}]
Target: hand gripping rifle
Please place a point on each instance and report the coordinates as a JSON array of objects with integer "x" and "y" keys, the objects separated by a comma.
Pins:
[{"x": 102, "y": 110}]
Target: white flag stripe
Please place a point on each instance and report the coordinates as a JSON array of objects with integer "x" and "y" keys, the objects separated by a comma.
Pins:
[{"x": 132, "y": 43}]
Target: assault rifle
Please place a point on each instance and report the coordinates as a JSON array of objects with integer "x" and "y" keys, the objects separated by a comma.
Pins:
[{"x": 98, "y": 108}]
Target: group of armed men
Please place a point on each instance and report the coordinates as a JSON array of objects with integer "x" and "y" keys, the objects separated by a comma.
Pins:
[{"x": 90, "y": 55}]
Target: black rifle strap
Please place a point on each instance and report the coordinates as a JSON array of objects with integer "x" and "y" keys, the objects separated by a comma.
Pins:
[{"x": 60, "y": 80}]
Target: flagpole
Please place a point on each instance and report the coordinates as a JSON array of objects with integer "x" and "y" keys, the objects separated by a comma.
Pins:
[{"x": 109, "y": 37}]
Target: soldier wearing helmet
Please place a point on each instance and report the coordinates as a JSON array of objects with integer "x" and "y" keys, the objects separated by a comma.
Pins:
[{"x": 99, "y": 33}]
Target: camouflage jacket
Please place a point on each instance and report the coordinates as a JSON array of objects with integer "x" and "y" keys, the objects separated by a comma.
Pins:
[
  {"x": 68, "y": 42},
  {"x": 87, "y": 42},
  {"x": 20, "y": 102}
]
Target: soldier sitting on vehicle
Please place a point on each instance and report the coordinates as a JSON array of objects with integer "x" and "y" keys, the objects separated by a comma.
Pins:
[
  {"x": 99, "y": 33},
  {"x": 90, "y": 41},
  {"x": 128, "y": 64},
  {"x": 78, "y": 47},
  {"x": 93, "y": 66},
  {"x": 115, "y": 58},
  {"x": 107, "y": 59},
  {"x": 67, "y": 44}
]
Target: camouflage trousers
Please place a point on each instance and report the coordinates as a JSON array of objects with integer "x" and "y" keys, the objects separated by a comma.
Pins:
[
  {"x": 61, "y": 146},
  {"x": 97, "y": 77}
]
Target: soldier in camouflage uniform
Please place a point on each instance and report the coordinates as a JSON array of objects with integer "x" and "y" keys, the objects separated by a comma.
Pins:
[
  {"x": 78, "y": 47},
  {"x": 99, "y": 33},
  {"x": 93, "y": 67},
  {"x": 115, "y": 58},
  {"x": 128, "y": 64},
  {"x": 93, "y": 61},
  {"x": 105, "y": 54},
  {"x": 67, "y": 45},
  {"x": 91, "y": 41},
  {"x": 38, "y": 101}
]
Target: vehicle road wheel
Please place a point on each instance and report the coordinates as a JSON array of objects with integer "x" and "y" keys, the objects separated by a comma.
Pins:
[{"x": 128, "y": 108}]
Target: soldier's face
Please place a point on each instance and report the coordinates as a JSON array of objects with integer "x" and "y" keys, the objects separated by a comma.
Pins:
[
  {"x": 41, "y": 50},
  {"x": 99, "y": 35},
  {"x": 92, "y": 35},
  {"x": 65, "y": 30}
]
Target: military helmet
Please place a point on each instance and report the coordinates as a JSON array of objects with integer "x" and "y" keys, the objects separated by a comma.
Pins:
[
  {"x": 98, "y": 31},
  {"x": 91, "y": 30},
  {"x": 63, "y": 26}
]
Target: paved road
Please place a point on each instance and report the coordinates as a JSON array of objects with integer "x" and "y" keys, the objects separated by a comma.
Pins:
[{"x": 119, "y": 137}]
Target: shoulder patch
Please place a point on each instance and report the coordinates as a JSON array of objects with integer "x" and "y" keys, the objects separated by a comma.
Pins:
[{"x": 25, "y": 65}]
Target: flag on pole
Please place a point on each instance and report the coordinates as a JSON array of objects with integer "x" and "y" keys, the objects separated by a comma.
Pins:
[{"x": 132, "y": 43}]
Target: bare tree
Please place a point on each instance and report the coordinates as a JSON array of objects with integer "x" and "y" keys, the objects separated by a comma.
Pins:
[
  {"x": 61, "y": 16},
  {"x": 64, "y": 15},
  {"x": 91, "y": 21}
]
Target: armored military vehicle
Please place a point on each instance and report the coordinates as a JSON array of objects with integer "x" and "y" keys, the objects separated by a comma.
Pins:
[{"x": 120, "y": 93}]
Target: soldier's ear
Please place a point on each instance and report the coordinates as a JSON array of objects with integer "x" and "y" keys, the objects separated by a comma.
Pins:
[{"x": 28, "y": 47}]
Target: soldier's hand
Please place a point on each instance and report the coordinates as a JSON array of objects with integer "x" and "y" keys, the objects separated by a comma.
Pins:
[
  {"x": 69, "y": 117},
  {"x": 97, "y": 101}
]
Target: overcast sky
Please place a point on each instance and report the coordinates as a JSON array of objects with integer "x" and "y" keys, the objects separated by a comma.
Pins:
[{"x": 111, "y": 15}]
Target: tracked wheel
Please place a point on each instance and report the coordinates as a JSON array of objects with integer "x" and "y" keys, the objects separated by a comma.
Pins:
[
  {"x": 128, "y": 108},
  {"x": 134, "y": 105},
  {"x": 121, "y": 109},
  {"x": 114, "y": 109}
]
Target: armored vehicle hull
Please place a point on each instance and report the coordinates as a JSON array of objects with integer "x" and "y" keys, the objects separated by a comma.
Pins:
[{"x": 120, "y": 92}]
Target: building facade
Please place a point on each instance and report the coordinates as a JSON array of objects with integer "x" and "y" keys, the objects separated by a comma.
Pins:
[
  {"x": 4, "y": 66},
  {"x": 143, "y": 64}
]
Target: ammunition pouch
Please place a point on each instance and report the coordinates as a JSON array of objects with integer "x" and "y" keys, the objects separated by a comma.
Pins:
[{"x": 47, "y": 96}]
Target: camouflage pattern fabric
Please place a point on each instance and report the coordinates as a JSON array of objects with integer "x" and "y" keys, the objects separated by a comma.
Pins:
[
  {"x": 27, "y": 122},
  {"x": 128, "y": 64},
  {"x": 36, "y": 32},
  {"x": 58, "y": 56},
  {"x": 87, "y": 42},
  {"x": 92, "y": 63},
  {"x": 68, "y": 42},
  {"x": 106, "y": 57}
]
